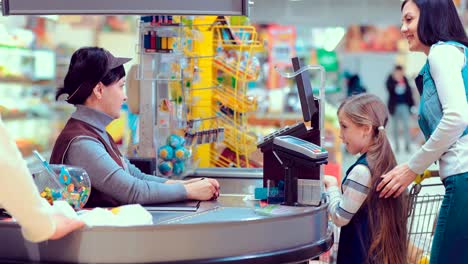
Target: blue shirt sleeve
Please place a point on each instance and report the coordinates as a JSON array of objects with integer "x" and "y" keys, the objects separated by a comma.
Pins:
[{"x": 108, "y": 177}]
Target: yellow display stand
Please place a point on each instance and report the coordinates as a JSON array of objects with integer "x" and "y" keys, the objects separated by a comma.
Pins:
[
  {"x": 201, "y": 98},
  {"x": 209, "y": 93},
  {"x": 232, "y": 93}
]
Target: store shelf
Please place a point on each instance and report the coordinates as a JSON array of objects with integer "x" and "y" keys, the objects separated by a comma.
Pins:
[
  {"x": 5, "y": 46},
  {"x": 8, "y": 119},
  {"x": 234, "y": 70},
  {"x": 163, "y": 30},
  {"x": 238, "y": 102},
  {"x": 243, "y": 38},
  {"x": 235, "y": 66},
  {"x": 226, "y": 158},
  {"x": 25, "y": 82},
  {"x": 236, "y": 137},
  {"x": 274, "y": 120}
]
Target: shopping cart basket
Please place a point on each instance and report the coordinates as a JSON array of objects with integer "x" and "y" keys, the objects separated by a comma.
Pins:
[{"x": 423, "y": 208}]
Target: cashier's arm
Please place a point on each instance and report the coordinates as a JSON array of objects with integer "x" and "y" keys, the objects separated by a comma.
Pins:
[
  {"x": 130, "y": 186},
  {"x": 108, "y": 177},
  {"x": 344, "y": 205},
  {"x": 136, "y": 172},
  {"x": 197, "y": 188}
]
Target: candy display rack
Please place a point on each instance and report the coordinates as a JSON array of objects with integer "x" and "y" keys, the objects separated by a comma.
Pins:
[
  {"x": 235, "y": 66},
  {"x": 163, "y": 115}
]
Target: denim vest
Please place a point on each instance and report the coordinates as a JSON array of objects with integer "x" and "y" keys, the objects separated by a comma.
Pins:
[{"x": 430, "y": 108}]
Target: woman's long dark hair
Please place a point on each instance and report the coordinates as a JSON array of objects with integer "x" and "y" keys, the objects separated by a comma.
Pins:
[
  {"x": 387, "y": 217},
  {"x": 438, "y": 21}
]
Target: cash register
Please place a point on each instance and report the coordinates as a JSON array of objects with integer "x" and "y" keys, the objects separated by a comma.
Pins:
[
  {"x": 304, "y": 179},
  {"x": 291, "y": 152}
]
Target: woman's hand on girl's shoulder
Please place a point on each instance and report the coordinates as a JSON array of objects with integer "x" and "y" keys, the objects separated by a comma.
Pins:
[
  {"x": 330, "y": 181},
  {"x": 396, "y": 181}
]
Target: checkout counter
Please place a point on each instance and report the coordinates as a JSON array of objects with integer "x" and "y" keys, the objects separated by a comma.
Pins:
[
  {"x": 228, "y": 230},
  {"x": 233, "y": 229}
]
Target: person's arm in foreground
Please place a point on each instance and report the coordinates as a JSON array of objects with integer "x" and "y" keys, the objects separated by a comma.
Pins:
[{"x": 20, "y": 197}]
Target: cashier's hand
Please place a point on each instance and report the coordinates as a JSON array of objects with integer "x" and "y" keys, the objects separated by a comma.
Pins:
[
  {"x": 329, "y": 181},
  {"x": 215, "y": 183},
  {"x": 201, "y": 190},
  {"x": 64, "y": 225}
]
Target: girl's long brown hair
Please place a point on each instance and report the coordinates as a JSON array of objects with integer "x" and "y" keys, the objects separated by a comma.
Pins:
[{"x": 387, "y": 217}]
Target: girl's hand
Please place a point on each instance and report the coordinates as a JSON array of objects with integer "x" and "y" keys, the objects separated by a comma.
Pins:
[
  {"x": 329, "y": 181},
  {"x": 395, "y": 181}
]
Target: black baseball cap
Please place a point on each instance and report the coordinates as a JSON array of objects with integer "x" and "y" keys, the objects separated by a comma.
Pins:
[
  {"x": 114, "y": 62},
  {"x": 87, "y": 69}
]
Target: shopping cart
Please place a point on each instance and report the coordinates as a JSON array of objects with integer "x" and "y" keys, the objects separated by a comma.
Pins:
[{"x": 423, "y": 208}]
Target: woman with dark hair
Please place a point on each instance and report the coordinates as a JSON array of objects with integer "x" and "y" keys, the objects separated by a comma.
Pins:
[
  {"x": 433, "y": 27},
  {"x": 94, "y": 84}
]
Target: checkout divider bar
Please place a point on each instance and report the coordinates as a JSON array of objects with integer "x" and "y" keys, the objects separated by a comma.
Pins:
[{"x": 242, "y": 173}]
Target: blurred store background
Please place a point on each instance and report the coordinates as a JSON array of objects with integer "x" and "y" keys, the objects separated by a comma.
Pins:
[{"x": 357, "y": 41}]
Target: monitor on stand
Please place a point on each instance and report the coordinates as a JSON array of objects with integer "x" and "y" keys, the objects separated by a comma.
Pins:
[
  {"x": 309, "y": 109},
  {"x": 273, "y": 172}
]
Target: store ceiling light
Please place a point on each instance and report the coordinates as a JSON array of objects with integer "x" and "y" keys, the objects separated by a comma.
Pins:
[{"x": 334, "y": 36}]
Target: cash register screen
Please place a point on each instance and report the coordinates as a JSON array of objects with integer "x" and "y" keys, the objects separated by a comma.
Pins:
[{"x": 305, "y": 91}]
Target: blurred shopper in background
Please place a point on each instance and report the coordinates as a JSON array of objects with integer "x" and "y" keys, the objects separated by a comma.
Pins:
[
  {"x": 353, "y": 84},
  {"x": 400, "y": 101}
]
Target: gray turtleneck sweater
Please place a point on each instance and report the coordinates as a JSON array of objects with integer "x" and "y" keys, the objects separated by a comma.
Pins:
[{"x": 127, "y": 185}]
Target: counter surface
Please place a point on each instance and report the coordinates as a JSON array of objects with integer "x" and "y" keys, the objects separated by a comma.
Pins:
[{"x": 229, "y": 230}]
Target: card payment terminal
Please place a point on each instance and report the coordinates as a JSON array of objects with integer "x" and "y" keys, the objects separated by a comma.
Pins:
[{"x": 291, "y": 152}]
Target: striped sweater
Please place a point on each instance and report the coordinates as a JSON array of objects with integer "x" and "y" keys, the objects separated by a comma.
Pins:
[{"x": 356, "y": 186}]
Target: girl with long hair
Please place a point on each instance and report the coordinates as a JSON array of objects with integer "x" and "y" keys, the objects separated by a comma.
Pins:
[
  {"x": 373, "y": 230},
  {"x": 434, "y": 28}
]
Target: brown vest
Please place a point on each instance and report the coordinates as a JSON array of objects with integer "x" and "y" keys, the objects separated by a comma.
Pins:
[{"x": 74, "y": 129}]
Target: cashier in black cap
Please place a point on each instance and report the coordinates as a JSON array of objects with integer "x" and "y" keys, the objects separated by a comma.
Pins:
[{"x": 95, "y": 85}]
